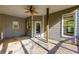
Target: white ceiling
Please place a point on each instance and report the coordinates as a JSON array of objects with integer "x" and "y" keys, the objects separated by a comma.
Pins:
[{"x": 18, "y": 10}]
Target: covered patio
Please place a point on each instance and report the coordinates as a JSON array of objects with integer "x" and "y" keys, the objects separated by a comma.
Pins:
[
  {"x": 53, "y": 29},
  {"x": 27, "y": 45}
]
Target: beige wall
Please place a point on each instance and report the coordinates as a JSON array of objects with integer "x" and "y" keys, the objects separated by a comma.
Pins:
[{"x": 6, "y": 26}]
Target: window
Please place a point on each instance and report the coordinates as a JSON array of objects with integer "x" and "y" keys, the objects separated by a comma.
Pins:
[
  {"x": 68, "y": 25},
  {"x": 15, "y": 25}
]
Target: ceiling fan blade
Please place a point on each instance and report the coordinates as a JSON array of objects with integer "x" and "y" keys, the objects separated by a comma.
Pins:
[
  {"x": 26, "y": 8},
  {"x": 26, "y": 11},
  {"x": 31, "y": 9},
  {"x": 34, "y": 11}
]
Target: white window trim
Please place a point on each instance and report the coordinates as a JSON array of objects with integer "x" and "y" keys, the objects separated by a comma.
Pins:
[
  {"x": 63, "y": 28},
  {"x": 75, "y": 25}
]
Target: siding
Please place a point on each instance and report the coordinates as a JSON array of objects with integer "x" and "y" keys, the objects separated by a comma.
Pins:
[
  {"x": 6, "y": 26},
  {"x": 55, "y": 26},
  {"x": 55, "y": 21}
]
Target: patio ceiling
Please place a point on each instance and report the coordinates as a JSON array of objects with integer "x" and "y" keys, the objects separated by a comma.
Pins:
[{"x": 18, "y": 10}]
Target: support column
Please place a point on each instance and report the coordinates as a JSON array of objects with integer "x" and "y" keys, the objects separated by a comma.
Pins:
[
  {"x": 32, "y": 26},
  {"x": 47, "y": 24},
  {"x": 43, "y": 27},
  {"x": 1, "y": 35}
]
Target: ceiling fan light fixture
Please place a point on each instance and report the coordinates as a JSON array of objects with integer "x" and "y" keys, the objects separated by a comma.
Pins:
[{"x": 31, "y": 10}]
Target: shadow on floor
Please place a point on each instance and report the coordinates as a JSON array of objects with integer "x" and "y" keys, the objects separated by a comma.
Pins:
[
  {"x": 43, "y": 40},
  {"x": 78, "y": 48},
  {"x": 40, "y": 45},
  {"x": 65, "y": 47},
  {"x": 32, "y": 47},
  {"x": 10, "y": 52},
  {"x": 72, "y": 41},
  {"x": 25, "y": 51},
  {"x": 4, "y": 47},
  {"x": 77, "y": 43},
  {"x": 53, "y": 50},
  {"x": 5, "y": 43}
]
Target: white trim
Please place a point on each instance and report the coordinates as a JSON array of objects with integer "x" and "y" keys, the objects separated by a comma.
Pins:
[
  {"x": 43, "y": 28},
  {"x": 40, "y": 27},
  {"x": 75, "y": 25},
  {"x": 1, "y": 35},
  {"x": 63, "y": 27},
  {"x": 32, "y": 25}
]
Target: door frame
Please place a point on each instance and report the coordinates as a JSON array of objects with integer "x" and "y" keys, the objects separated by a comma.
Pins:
[{"x": 40, "y": 27}]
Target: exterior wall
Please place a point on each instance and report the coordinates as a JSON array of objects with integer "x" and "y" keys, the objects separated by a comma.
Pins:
[
  {"x": 6, "y": 26},
  {"x": 55, "y": 21},
  {"x": 29, "y": 19},
  {"x": 29, "y": 25}
]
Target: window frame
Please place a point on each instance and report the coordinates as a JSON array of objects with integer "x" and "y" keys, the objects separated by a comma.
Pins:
[
  {"x": 66, "y": 15},
  {"x": 15, "y": 23}
]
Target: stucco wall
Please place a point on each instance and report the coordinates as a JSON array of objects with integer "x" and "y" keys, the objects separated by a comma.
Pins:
[{"x": 6, "y": 26}]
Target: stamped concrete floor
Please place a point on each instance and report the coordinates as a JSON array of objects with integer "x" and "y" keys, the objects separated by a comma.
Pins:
[{"x": 27, "y": 45}]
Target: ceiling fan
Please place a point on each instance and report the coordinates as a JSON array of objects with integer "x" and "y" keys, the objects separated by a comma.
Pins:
[{"x": 31, "y": 9}]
